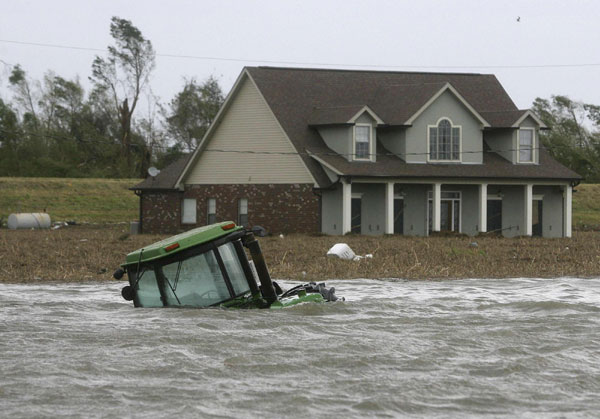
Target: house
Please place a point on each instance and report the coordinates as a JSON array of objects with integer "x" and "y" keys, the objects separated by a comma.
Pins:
[{"x": 371, "y": 152}]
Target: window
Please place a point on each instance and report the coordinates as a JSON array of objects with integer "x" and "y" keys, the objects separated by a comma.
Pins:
[
  {"x": 444, "y": 141},
  {"x": 188, "y": 211},
  {"x": 526, "y": 145},
  {"x": 196, "y": 281},
  {"x": 234, "y": 269},
  {"x": 243, "y": 212},
  {"x": 211, "y": 211},
  {"x": 362, "y": 142}
]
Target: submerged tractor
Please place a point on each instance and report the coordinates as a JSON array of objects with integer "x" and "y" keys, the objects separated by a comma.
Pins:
[{"x": 208, "y": 267}]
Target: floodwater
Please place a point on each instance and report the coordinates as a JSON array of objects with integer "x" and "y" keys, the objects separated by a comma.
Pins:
[{"x": 462, "y": 348}]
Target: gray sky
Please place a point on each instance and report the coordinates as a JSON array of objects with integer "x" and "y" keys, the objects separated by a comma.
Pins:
[{"x": 426, "y": 35}]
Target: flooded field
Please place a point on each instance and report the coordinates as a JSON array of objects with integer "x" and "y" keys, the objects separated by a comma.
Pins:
[{"x": 514, "y": 347}]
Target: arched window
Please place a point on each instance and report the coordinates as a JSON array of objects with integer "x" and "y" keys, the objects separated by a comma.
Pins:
[{"x": 444, "y": 141}]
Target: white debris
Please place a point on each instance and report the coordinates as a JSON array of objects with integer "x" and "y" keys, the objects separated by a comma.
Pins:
[
  {"x": 281, "y": 236},
  {"x": 342, "y": 251}
]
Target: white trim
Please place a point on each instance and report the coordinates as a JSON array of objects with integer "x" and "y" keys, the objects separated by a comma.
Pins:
[
  {"x": 324, "y": 163},
  {"x": 459, "y": 141},
  {"x": 495, "y": 197},
  {"x": 447, "y": 86},
  {"x": 533, "y": 116},
  {"x": 436, "y": 200},
  {"x": 370, "y": 112},
  {"x": 462, "y": 182},
  {"x": 371, "y": 141},
  {"x": 567, "y": 210},
  {"x": 356, "y": 195},
  {"x": 389, "y": 208},
  {"x": 482, "y": 198},
  {"x": 346, "y": 207},
  {"x": 533, "y": 145},
  {"x": 528, "y": 213},
  {"x": 537, "y": 197}
]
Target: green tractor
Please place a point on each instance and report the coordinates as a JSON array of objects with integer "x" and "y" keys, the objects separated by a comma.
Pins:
[{"x": 208, "y": 267}]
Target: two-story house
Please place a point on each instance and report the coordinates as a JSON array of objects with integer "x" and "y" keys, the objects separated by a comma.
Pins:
[{"x": 371, "y": 152}]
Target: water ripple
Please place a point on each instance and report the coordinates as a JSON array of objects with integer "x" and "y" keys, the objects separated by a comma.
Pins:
[{"x": 514, "y": 347}]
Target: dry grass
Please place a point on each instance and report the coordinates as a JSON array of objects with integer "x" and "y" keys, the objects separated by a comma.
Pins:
[{"x": 86, "y": 253}]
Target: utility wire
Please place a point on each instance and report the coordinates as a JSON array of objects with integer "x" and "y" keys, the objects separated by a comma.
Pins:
[
  {"x": 276, "y": 153},
  {"x": 259, "y": 61}
]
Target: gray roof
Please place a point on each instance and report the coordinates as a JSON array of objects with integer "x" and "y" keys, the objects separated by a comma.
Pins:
[
  {"x": 166, "y": 179},
  {"x": 304, "y": 98},
  {"x": 301, "y": 97},
  {"x": 494, "y": 166}
]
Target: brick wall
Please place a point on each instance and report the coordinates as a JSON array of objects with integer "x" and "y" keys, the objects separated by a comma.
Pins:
[
  {"x": 161, "y": 212},
  {"x": 287, "y": 208}
]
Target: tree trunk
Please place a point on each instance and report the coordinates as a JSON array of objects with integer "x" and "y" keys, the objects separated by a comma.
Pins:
[{"x": 125, "y": 120}]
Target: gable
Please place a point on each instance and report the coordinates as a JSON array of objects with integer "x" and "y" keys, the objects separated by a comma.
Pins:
[
  {"x": 231, "y": 153},
  {"x": 447, "y": 105}
]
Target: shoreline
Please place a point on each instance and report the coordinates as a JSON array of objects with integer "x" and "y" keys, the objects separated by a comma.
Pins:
[{"x": 92, "y": 252}]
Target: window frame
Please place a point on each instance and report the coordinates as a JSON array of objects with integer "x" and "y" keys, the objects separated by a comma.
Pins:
[
  {"x": 187, "y": 220},
  {"x": 533, "y": 145},
  {"x": 371, "y": 135},
  {"x": 209, "y": 213},
  {"x": 436, "y": 126},
  {"x": 240, "y": 213}
]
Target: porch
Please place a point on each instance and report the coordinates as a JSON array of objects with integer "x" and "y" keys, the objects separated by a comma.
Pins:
[{"x": 419, "y": 208}]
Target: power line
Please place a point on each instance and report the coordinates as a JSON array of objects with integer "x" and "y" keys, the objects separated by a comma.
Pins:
[
  {"x": 281, "y": 153},
  {"x": 303, "y": 63}
]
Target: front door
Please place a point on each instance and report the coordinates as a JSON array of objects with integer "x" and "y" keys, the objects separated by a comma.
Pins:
[
  {"x": 536, "y": 227},
  {"x": 398, "y": 216},
  {"x": 449, "y": 212},
  {"x": 494, "y": 215}
]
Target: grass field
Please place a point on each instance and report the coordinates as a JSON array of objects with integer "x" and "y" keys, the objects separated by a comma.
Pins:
[
  {"x": 586, "y": 207},
  {"x": 81, "y": 200},
  {"x": 110, "y": 201}
]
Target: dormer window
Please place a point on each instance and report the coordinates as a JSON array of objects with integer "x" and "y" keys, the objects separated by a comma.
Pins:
[
  {"x": 526, "y": 145},
  {"x": 362, "y": 142},
  {"x": 444, "y": 141}
]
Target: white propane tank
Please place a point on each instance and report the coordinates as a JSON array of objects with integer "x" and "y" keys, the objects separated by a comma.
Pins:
[{"x": 29, "y": 220}]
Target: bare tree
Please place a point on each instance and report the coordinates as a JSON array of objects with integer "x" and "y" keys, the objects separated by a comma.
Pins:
[{"x": 122, "y": 77}]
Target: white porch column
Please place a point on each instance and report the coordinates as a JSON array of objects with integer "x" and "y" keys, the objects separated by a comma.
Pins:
[
  {"x": 436, "y": 201},
  {"x": 567, "y": 210},
  {"x": 482, "y": 222},
  {"x": 346, "y": 207},
  {"x": 528, "y": 197},
  {"x": 389, "y": 208}
]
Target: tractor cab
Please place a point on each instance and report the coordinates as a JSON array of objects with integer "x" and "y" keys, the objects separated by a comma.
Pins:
[{"x": 207, "y": 267}]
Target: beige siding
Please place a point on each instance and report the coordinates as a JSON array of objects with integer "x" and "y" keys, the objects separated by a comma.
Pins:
[{"x": 248, "y": 125}]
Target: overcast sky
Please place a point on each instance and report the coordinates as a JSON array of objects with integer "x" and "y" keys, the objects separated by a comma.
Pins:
[{"x": 458, "y": 36}]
